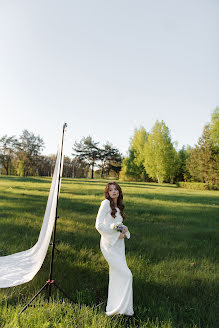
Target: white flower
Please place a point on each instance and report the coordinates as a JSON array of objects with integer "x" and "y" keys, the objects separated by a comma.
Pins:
[{"x": 115, "y": 225}]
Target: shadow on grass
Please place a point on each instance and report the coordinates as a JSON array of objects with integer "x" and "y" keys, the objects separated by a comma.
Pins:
[
  {"x": 99, "y": 182},
  {"x": 182, "y": 221},
  {"x": 178, "y": 198},
  {"x": 26, "y": 179},
  {"x": 193, "y": 304},
  {"x": 23, "y": 200},
  {"x": 158, "y": 232},
  {"x": 86, "y": 283}
]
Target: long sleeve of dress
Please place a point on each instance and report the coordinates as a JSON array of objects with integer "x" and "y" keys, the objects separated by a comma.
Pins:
[{"x": 103, "y": 224}]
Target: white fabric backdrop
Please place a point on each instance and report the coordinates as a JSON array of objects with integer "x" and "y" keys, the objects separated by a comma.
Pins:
[{"x": 19, "y": 268}]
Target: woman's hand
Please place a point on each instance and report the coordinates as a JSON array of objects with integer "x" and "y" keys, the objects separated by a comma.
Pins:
[{"x": 122, "y": 235}]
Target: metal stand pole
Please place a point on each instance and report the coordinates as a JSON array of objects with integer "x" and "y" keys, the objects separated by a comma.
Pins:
[{"x": 51, "y": 282}]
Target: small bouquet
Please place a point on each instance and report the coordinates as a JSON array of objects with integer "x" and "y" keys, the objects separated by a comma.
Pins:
[{"x": 119, "y": 227}]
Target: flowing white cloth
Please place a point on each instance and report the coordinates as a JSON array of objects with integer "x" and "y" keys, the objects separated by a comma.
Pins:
[
  {"x": 120, "y": 293},
  {"x": 19, "y": 268}
]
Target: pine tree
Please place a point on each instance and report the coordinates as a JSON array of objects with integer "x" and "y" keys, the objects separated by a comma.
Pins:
[
  {"x": 88, "y": 151},
  {"x": 203, "y": 161},
  {"x": 110, "y": 159}
]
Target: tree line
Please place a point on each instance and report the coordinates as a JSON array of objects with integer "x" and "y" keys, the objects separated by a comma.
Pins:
[
  {"x": 152, "y": 156},
  {"x": 22, "y": 156}
]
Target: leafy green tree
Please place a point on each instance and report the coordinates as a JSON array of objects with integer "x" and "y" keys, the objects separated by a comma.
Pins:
[
  {"x": 180, "y": 164},
  {"x": 133, "y": 165},
  {"x": 46, "y": 165},
  {"x": 184, "y": 158},
  {"x": 130, "y": 171},
  {"x": 214, "y": 128},
  {"x": 181, "y": 155},
  {"x": 7, "y": 151},
  {"x": 214, "y": 131},
  {"x": 80, "y": 168},
  {"x": 174, "y": 166},
  {"x": 87, "y": 150},
  {"x": 20, "y": 169},
  {"x": 28, "y": 151},
  {"x": 203, "y": 161},
  {"x": 159, "y": 154},
  {"x": 67, "y": 167},
  {"x": 137, "y": 145}
]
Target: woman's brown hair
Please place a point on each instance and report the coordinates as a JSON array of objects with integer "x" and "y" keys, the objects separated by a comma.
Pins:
[{"x": 119, "y": 200}]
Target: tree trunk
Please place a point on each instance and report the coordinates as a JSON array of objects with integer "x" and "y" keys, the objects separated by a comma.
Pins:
[
  {"x": 92, "y": 172},
  {"x": 102, "y": 172},
  {"x": 206, "y": 182},
  {"x": 6, "y": 167}
]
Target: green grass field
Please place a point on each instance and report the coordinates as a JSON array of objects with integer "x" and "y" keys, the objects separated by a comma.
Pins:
[{"x": 172, "y": 253}]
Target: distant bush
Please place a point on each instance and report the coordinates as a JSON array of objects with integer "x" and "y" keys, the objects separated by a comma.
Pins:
[{"x": 196, "y": 185}]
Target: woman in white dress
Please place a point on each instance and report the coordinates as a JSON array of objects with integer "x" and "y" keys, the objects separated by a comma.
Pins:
[{"x": 120, "y": 294}]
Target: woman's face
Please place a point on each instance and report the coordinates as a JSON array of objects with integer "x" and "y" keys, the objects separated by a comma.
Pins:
[{"x": 113, "y": 192}]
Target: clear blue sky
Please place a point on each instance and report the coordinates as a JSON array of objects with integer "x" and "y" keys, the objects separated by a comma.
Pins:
[{"x": 108, "y": 67}]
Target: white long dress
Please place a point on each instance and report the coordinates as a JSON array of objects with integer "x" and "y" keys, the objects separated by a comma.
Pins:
[{"x": 120, "y": 294}]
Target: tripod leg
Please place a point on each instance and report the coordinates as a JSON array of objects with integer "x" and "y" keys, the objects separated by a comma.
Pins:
[
  {"x": 50, "y": 292},
  {"x": 41, "y": 289},
  {"x": 64, "y": 293}
]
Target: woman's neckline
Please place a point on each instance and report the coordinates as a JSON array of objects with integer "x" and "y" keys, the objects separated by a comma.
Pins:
[{"x": 115, "y": 206}]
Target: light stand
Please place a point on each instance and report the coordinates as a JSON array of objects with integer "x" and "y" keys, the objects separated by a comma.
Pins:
[{"x": 51, "y": 282}]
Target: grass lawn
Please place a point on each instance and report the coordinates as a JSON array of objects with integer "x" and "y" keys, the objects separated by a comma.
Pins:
[{"x": 172, "y": 253}]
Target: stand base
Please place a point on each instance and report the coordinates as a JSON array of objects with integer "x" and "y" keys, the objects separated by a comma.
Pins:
[{"x": 49, "y": 284}]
